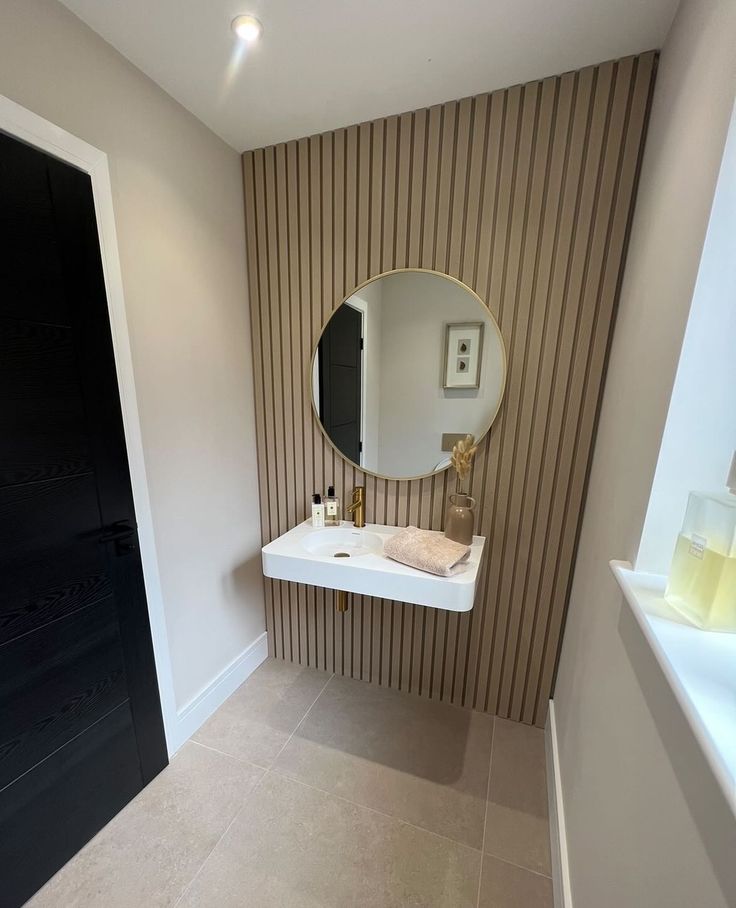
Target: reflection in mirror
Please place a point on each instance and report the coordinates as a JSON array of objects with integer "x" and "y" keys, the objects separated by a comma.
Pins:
[{"x": 409, "y": 362}]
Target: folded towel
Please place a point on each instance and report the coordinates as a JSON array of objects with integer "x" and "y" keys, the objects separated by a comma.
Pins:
[{"x": 428, "y": 551}]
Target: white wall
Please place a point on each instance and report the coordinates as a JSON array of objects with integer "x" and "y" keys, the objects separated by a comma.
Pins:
[
  {"x": 645, "y": 828},
  {"x": 415, "y": 409},
  {"x": 700, "y": 436},
  {"x": 179, "y": 214}
]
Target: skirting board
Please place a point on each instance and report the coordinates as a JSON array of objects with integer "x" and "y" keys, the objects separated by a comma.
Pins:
[
  {"x": 557, "y": 831},
  {"x": 195, "y": 713}
]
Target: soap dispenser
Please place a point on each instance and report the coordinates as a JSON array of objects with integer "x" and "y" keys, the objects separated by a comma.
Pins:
[
  {"x": 702, "y": 581},
  {"x": 318, "y": 511},
  {"x": 332, "y": 508}
]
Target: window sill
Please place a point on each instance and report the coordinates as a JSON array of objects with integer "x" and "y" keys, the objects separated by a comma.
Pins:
[{"x": 700, "y": 667}]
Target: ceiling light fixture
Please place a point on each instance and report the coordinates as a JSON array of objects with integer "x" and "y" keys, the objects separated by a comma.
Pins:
[{"x": 247, "y": 28}]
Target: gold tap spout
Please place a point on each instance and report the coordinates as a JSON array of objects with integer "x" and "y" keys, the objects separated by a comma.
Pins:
[{"x": 357, "y": 508}]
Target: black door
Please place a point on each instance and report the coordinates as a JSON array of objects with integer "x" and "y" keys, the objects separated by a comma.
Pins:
[
  {"x": 80, "y": 720},
  {"x": 340, "y": 380}
]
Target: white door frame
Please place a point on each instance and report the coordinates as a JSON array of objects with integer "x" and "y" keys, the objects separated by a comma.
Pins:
[
  {"x": 22, "y": 124},
  {"x": 361, "y": 306}
]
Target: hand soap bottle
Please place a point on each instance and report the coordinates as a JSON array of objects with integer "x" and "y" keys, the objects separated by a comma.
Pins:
[
  {"x": 332, "y": 508},
  {"x": 702, "y": 581},
  {"x": 318, "y": 511}
]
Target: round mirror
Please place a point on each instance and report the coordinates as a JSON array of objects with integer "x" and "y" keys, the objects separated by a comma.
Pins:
[{"x": 411, "y": 361}]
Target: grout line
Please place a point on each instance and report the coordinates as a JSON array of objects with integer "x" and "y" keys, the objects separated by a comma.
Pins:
[
  {"x": 381, "y": 813},
  {"x": 301, "y": 721},
  {"x": 485, "y": 813},
  {"x": 266, "y": 771},
  {"x": 224, "y": 753},
  {"x": 496, "y": 857},
  {"x": 284, "y": 775},
  {"x": 225, "y": 832}
]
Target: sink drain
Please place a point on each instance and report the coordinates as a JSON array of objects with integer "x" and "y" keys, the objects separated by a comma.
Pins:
[{"x": 341, "y": 555}]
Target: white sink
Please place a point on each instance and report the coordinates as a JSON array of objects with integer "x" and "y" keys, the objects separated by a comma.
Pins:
[
  {"x": 341, "y": 542},
  {"x": 346, "y": 558}
]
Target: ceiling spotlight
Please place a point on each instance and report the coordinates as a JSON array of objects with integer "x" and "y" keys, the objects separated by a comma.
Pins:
[{"x": 247, "y": 28}]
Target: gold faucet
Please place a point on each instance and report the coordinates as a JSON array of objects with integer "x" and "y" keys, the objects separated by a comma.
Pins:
[{"x": 357, "y": 508}]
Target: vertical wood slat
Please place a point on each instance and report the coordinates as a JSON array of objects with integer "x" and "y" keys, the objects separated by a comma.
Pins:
[
  {"x": 640, "y": 84},
  {"x": 526, "y": 196}
]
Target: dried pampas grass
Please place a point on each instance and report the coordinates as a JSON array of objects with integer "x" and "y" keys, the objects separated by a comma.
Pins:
[{"x": 462, "y": 458}]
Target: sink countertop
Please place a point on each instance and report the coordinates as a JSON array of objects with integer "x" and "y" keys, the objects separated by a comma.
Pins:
[{"x": 370, "y": 573}]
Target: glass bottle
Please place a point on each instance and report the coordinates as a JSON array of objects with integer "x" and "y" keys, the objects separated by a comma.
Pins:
[
  {"x": 702, "y": 580},
  {"x": 332, "y": 508}
]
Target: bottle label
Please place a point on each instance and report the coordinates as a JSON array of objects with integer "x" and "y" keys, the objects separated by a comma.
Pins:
[
  {"x": 331, "y": 508},
  {"x": 697, "y": 546}
]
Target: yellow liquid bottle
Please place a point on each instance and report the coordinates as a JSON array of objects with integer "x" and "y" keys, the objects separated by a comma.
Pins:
[{"x": 702, "y": 581}]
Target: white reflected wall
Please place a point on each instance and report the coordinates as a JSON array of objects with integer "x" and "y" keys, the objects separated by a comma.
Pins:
[{"x": 415, "y": 410}]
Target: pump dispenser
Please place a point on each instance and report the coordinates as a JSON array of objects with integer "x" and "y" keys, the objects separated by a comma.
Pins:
[
  {"x": 702, "y": 581},
  {"x": 332, "y": 508},
  {"x": 318, "y": 511}
]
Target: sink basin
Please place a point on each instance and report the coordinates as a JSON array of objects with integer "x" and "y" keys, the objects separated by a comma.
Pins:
[
  {"x": 341, "y": 542},
  {"x": 351, "y": 559}
]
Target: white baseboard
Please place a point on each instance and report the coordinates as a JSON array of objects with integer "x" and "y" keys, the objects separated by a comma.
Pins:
[
  {"x": 557, "y": 831},
  {"x": 195, "y": 713}
]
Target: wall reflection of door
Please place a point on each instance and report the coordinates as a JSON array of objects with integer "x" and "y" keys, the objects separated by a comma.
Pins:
[{"x": 340, "y": 352}]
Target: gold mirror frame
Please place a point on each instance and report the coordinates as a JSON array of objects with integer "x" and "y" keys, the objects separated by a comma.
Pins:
[{"x": 504, "y": 364}]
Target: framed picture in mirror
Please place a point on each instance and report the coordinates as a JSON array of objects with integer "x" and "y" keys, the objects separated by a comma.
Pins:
[{"x": 463, "y": 355}]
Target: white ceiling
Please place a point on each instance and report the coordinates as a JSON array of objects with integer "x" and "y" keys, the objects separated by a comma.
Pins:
[{"x": 331, "y": 63}]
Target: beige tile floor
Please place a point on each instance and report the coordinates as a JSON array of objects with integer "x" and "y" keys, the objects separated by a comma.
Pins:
[{"x": 307, "y": 790}]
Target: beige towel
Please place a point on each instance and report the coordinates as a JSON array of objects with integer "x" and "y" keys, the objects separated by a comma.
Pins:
[{"x": 428, "y": 551}]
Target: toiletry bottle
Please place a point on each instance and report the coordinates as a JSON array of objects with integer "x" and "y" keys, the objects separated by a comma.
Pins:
[
  {"x": 702, "y": 581},
  {"x": 332, "y": 508},
  {"x": 318, "y": 511}
]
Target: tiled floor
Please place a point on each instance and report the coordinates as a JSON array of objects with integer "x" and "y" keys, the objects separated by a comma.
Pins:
[{"x": 306, "y": 790}]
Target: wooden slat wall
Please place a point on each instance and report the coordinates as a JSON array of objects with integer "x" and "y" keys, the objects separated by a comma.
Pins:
[{"x": 525, "y": 195}]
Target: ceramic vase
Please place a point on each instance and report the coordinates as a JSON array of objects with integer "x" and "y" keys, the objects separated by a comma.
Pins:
[{"x": 459, "y": 518}]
